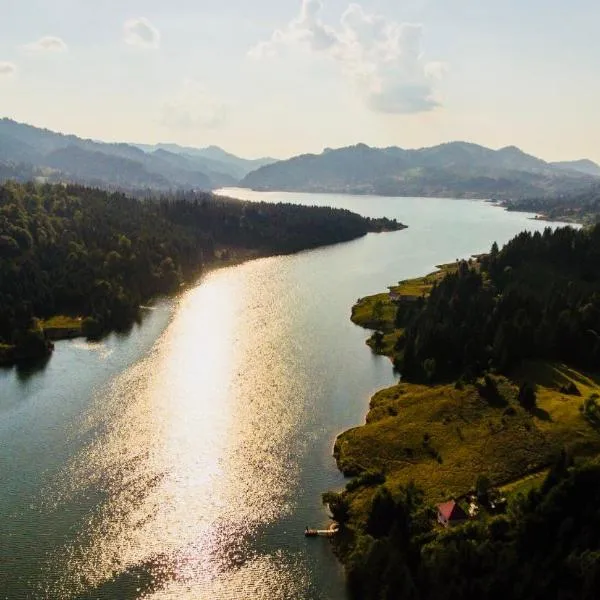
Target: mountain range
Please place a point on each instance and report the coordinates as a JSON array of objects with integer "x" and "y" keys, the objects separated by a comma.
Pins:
[
  {"x": 28, "y": 152},
  {"x": 455, "y": 169}
]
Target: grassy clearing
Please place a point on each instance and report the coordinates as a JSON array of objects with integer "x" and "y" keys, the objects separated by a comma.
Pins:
[
  {"x": 525, "y": 484},
  {"x": 62, "y": 327},
  {"x": 379, "y": 311},
  {"x": 421, "y": 286},
  {"x": 375, "y": 312},
  {"x": 389, "y": 340},
  {"x": 442, "y": 438},
  {"x": 61, "y": 322}
]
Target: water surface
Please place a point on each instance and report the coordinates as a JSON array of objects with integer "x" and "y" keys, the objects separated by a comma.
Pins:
[{"x": 184, "y": 458}]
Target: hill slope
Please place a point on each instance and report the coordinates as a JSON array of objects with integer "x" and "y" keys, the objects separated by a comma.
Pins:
[
  {"x": 584, "y": 165},
  {"x": 27, "y": 151},
  {"x": 456, "y": 169}
]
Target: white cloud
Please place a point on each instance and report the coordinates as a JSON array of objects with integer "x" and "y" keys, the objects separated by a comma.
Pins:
[
  {"x": 193, "y": 108},
  {"x": 7, "y": 69},
  {"x": 307, "y": 28},
  {"x": 381, "y": 57},
  {"x": 141, "y": 33},
  {"x": 48, "y": 43}
]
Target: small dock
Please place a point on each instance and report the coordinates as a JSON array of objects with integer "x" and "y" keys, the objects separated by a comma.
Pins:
[{"x": 333, "y": 529}]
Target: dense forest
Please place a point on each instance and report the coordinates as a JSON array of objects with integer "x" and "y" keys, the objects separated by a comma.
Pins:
[
  {"x": 546, "y": 546},
  {"x": 538, "y": 297},
  {"x": 582, "y": 207},
  {"x": 80, "y": 251},
  {"x": 481, "y": 334}
]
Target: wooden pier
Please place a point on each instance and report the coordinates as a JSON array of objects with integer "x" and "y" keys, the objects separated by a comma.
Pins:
[{"x": 333, "y": 529}]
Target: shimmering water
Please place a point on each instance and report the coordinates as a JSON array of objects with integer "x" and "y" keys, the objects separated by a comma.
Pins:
[{"x": 184, "y": 458}]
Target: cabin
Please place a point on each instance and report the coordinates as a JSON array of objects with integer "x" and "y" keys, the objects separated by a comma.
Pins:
[{"x": 450, "y": 513}]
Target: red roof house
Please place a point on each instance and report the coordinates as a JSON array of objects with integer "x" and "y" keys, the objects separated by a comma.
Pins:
[{"x": 450, "y": 513}]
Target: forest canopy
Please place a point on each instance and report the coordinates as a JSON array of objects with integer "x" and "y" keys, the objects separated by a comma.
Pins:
[
  {"x": 81, "y": 251},
  {"x": 538, "y": 297}
]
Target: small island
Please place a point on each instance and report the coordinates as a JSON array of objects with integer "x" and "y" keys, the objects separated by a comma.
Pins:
[{"x": 493, "y": 429}]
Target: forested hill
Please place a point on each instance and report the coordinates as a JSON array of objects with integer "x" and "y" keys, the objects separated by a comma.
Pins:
[
  {"x": 537, "y": 298},
  {"x": 456, "y": 169},
  {"x": 80, "y": 251},
  {"x": 497, "y": 417},
  {"x": 582, "y": 207}
]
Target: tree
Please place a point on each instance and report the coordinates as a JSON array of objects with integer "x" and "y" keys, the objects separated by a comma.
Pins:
[
  {"x": 482, "y": 486},
  {"x": 429, "y": 368},
  {"x": 527, "y": 395},
  {"x": 338, "y": 505},
  {"x": 378, "y": 340},
  {"x": 381, "y": 515}
]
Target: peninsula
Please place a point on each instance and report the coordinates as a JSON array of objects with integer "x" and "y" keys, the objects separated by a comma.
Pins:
[
  {"x": 80, "y": 261},
  {"x": 498, "y": 403}
]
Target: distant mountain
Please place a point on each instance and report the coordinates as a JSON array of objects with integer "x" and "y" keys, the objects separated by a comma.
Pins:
[
  {"x": 214, "y": 158},
  {"x": 456, "y": 169},
  {"x": 584, "y": 165},
  {"x": 30, "y": 152}
]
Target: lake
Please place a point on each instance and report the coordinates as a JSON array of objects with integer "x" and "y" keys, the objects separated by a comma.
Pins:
[{"x": 184, "y": 458}]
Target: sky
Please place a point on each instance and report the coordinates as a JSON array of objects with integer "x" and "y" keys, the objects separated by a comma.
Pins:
[{"x": 284, "y": 77}]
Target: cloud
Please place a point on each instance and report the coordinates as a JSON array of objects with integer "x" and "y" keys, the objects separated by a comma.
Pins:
[
  {"x": 141, "y": 33},
  {"x": 7, "y": 69},
  {"x": 48, "y": 43},
  {"x": 382, "y": 58},
  {"x": 193, "y": 108},
  {"x": 307, "y": 28}
]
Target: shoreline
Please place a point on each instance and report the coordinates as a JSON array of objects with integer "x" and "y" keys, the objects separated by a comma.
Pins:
[
  {"x": 62, "y": 327},
  {"x": 443, "y": 436},
  {"x": 73, "y": 329}
]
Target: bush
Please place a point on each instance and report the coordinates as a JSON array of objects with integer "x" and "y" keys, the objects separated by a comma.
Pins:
[
  {"x": 91, "y": 328},
  {"x": 527, "y": 395},
  {"x": 570, "y": 389},
  {"x": 367, "y": 479}
]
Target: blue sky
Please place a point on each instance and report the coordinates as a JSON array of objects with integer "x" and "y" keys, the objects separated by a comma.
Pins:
[{"x": 281, "y": 77}]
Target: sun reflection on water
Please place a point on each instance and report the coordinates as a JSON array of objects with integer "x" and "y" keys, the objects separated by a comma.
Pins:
[{"x": 191, "y": 455}]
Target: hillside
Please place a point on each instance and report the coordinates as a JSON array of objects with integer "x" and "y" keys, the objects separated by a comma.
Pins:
[
  {"x": 456, "y": 169},
  {"x": 581, "y": 166},
  {"x": 580, "y": 207},
  {"x": 213, "y": 159},
  {"x": 91, "y": 258},
  {"x": 498, "y": 409},
  {"x": 30, "y": 152}
]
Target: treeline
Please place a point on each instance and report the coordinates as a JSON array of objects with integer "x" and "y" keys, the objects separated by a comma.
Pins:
[
  {"x": 80, "y": 251},
  {"x": 582, "y": 207},
  {"x": 546, "y": 546},
  {"x": 539, "y": 297}
]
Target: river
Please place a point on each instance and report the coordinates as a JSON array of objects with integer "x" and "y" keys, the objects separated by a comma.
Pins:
[{"x": 184, "y": 458}]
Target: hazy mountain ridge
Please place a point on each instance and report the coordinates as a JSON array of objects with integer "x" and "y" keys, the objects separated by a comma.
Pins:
[
  {"x": 27, "y": 151},
  {"x": 583, "y": 165},
  {"x": 457, "y": 169}
]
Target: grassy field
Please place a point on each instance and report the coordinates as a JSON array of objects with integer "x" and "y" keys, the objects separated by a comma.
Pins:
[
  {"x": 61, "y": 322},
  {"x": 421, "y": 286},
  {"x": 61, "y": 327},
  {"x": 443, "y": 437},
  {"x": 379, "y": 311},
  {"x": 525, "y": 484}
]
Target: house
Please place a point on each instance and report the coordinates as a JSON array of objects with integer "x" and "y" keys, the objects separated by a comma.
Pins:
[{"x": 450, "y": 513}]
